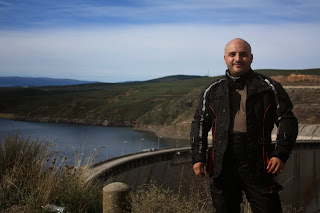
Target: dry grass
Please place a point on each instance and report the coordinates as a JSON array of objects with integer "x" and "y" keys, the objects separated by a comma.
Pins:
[
  {"x": 156, "y": 199},
  {"x": 32, "y": 176}
]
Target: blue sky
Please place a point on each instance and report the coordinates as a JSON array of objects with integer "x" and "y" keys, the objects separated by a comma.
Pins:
[{"x": 115, "y": 41}]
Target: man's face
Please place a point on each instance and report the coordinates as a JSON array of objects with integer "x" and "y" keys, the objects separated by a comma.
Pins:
[{"x": 238, "y": 57}]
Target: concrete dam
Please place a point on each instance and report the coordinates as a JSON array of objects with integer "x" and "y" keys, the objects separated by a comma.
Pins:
[{"x": 166, "y": 167}]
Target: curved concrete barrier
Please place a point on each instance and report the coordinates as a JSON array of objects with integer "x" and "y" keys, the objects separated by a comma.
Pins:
[
  {"x": 172, "y": 168},
  {"x": 124, "y": 163},
  {"x": 169, "y": 167}
]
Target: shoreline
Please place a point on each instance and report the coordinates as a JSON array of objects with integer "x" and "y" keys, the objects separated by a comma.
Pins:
[
  {"x": 7, "y": 115},
  {"x": 171, "y": 132},
  {"x": 309, "y": 132}
]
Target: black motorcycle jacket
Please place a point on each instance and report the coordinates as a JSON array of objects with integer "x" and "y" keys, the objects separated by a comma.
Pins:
[{"x": 267, "y": 104}]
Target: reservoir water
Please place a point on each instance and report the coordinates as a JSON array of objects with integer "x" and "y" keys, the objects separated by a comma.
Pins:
[{"x": 106, "y": 142}]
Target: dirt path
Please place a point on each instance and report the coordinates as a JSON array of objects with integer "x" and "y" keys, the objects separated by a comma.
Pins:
[{"x": 301, "y": 87}]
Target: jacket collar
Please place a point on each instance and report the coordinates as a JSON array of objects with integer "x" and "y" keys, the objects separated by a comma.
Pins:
[
  {"x": 257, "y": 85},
  {"x": 239, "y": 82}
]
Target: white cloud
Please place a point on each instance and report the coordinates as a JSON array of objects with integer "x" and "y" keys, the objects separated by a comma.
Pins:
[{"x": 146, "y": 52}]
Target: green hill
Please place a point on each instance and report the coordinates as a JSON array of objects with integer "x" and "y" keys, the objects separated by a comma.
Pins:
[{"x": 95, "y": 103}]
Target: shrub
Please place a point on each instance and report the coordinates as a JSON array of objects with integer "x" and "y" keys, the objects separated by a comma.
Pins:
[
  {"x": 156, "y": 199},
  {"x": 31, "y": 176}
]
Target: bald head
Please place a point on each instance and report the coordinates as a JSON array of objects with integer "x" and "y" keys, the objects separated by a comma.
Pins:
[
  {"x": 238, "y": 57},
  {"x": 238, "y": 41}
]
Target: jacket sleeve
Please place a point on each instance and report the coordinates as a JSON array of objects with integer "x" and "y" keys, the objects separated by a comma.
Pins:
[
  {"x": 287, "y": 125},
  {"x": 200, "y": 127}
]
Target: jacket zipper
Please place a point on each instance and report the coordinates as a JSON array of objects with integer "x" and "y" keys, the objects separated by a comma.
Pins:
[{"x": 211, "y": 159}]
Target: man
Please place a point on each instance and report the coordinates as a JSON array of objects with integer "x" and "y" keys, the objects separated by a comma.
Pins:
[{"x": 241, "y": 109}]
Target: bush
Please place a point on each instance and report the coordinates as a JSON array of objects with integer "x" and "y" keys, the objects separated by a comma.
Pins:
[
  {"x": 156, "y": 199},
  {"x": 31, "y": 176}
]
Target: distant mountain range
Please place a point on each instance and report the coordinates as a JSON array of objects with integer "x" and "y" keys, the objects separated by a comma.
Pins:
[{"x": 37, "y": 82}]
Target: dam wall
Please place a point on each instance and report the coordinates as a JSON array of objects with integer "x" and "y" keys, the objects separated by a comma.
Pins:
[
  {"x": 172, "y": 168},
  {"x": 169, "y": 168}
]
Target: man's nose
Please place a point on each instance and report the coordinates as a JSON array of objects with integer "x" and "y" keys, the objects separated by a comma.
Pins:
[{"x": 237, "y": 57}]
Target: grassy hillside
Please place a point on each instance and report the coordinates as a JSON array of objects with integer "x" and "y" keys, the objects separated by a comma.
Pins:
[
  {"x": 168, "y": 102},
  {"x": 95, "y": 102}
]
